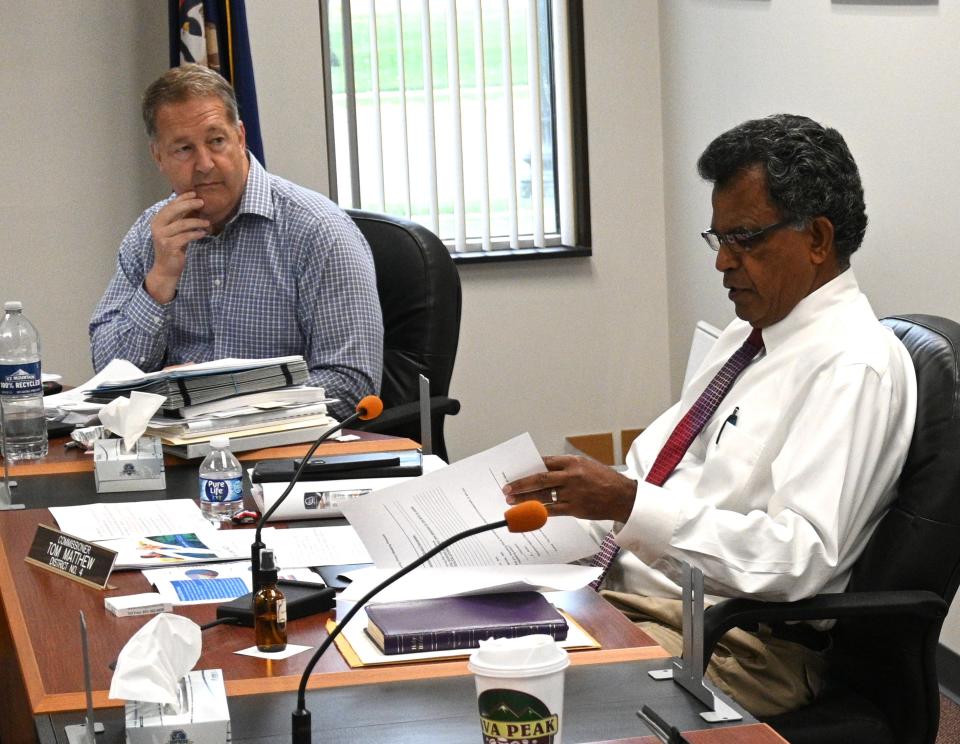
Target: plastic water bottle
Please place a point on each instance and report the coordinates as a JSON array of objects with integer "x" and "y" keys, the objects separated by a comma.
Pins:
[
  {"x": 21, "y": 390},
  {"x": 221, "y": 482}
]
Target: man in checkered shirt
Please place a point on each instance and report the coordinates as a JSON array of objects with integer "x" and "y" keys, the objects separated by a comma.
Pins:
[{"x": 237, "y": 262}]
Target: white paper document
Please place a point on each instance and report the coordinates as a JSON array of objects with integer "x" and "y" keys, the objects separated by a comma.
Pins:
[
  {"x": 72, "y": 400},
  {"x": 214, "y": 366},
  {"x": 317, "y": 546},
  {"x": 427, "y": 583},
  {"x": 132, "y": 519},
  {"x": 176, "y": 549},
  {"x": 291, "y": 650},
  {"x": 402, "y": 522},
  {"x": 213, "y": 582},
  {"x": 206, "y": 584}
]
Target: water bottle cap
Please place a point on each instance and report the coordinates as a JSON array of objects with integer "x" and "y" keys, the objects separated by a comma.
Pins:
[
  {"x": 220, "y": 442},
  {"x": 12, "y": 305}
]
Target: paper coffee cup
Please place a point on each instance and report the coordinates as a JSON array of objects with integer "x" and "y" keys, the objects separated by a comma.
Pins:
[{"x": 520, "y": 689}]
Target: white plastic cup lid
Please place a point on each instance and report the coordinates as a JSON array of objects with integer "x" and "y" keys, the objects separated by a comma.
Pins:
[
  {"x": 527, "y": 656},
  {"x": 220, "y": 442}
]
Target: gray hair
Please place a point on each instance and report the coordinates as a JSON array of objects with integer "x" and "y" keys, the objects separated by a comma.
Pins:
[
  {"x": 809, "y": 172},
  {"x": 179, "y": 84}
]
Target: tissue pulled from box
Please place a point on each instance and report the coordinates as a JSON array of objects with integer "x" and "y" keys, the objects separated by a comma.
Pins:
[
  {"x": 128, "y": 417},
  {"x": 155, "y": 659}
]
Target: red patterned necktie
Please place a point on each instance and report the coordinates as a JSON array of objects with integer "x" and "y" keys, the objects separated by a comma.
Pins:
[{"x": 683, "y": 435}]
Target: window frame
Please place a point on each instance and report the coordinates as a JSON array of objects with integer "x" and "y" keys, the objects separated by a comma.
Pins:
[{"x": 579, "y": 165}]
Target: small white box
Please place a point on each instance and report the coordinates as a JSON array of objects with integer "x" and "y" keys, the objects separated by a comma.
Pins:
[
  {"x": 131, "y": 605},
  {"x": 205, "y": 718},
  {"x": 140, "y": 469}
]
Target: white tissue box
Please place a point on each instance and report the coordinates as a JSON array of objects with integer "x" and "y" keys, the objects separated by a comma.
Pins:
[
  {"x": 140, "y": 469},
  {"x": 205, "y": 718}
]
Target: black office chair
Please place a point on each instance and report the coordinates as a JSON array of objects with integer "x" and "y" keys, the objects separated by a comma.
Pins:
[
  {"x": 419, "y": 290},
  {"x": 882, "y": 679}
]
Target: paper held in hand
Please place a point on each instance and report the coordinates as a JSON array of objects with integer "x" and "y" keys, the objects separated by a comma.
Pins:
[{"x": 402, "y": 522}]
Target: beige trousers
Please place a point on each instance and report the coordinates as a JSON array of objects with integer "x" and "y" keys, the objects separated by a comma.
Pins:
[{"x": 764, "y": 674}]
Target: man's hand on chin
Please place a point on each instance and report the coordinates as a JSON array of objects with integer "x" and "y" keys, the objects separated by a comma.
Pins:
[{"x": 172, "y": 229}]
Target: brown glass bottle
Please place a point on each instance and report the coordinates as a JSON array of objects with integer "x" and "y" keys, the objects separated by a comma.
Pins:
[{"x": 269, "y": 608}]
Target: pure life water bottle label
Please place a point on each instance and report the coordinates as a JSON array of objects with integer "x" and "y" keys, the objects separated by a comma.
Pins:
[
  {"x": 20, "y": 379},
  {"x": 221, "y": 491}
]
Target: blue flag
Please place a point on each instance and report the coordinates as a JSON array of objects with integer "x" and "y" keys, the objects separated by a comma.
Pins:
[{"x": 214, "y": 33}]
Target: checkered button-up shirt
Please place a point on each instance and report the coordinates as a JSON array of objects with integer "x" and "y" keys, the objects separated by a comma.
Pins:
[{"x": 289, "y": 274}]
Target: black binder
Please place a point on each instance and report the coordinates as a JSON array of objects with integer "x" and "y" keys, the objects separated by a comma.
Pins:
[{"x": 340, "y": 467}]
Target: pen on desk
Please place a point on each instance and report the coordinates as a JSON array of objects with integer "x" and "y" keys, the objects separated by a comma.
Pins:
[{"x": 731, "y": 419}]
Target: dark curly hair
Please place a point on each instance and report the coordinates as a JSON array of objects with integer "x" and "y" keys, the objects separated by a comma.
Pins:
[{"x": 809, "y": 168}]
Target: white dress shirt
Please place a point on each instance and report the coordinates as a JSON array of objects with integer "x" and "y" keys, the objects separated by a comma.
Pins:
[{"x": 780, "y": 503}]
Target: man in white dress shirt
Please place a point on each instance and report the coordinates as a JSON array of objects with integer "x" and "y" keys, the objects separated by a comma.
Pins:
[{"x": 779, "y": 492}]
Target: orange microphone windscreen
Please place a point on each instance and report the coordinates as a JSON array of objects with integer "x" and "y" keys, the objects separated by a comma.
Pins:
[
  {"x": 369, "y": 407},
  {"x": 526, "y": 516}
]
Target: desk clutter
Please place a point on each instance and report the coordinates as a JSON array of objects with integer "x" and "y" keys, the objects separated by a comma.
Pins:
[
  {"x": 189, "y": 561},
  {"x": 257, "y": 402}
]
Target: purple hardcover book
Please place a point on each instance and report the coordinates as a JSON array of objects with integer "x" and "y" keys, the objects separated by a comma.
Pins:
[{"x": 461, "y": 622}]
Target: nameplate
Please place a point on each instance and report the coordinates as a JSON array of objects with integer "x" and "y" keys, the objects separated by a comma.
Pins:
[{"x": 69, "y": 556}]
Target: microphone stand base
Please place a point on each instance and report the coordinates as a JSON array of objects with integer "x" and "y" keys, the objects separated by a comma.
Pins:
[
  {"x": 79, "y": 733},
  {"x": 302, "y": 733},
  {"x": 6, "y": 497}
]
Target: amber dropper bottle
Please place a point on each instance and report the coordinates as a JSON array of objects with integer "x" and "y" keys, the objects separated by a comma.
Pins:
[{"x": 269, "y": 608}]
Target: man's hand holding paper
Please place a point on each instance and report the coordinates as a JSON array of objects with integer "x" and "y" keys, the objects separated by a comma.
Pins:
[
  {"x": 577, "y": 487},
  {"x": 400, "y": 523}
]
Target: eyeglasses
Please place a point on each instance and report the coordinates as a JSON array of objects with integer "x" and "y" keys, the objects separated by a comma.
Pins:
[{"x": 742, "y": 242}]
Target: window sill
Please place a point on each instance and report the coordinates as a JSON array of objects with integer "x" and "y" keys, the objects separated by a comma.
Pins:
[{"x": 521, "y": 254}]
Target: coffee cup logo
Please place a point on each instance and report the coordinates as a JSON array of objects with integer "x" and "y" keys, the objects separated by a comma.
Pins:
[{"x": 514, "y": 717}]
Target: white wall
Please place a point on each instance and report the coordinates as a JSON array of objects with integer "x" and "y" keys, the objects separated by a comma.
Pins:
[
  {"x": 577, "y": 346},
  {"x": 556, "y": 348},
  {"x": 886, "y": 76},
  {"x": 286, "y": 53},
  {"x": 75, "y": 170}
]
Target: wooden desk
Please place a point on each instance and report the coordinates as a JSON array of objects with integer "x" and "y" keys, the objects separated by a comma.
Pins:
[
  {"x": 40, "y": 646},
  {"x": 600, "y": 702},
  {"x": 40, "y": 671},
  {"x": 61, "y": 460},
  {"x": 74, "y": 483}
]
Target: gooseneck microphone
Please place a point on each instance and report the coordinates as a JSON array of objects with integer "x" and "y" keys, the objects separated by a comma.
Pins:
[
  {"x": 368, "y": 408},
  {"x": 524, "y": 517}
]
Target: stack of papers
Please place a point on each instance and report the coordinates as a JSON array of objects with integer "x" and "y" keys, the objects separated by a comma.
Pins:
[
  {"x": 174, "y": 532},
  {"x": 208, "y": 381},
  {"x": 277, "y": 410},
  {"x": 294, "y": 431},
  {"x": 153, "y": 533},
  {"x": 227, "y": 396}
]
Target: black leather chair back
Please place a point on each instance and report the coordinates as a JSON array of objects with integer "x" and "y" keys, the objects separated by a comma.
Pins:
[
  {"x": 916, "y": 545},
  {"x": 419, "y": 290}
]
